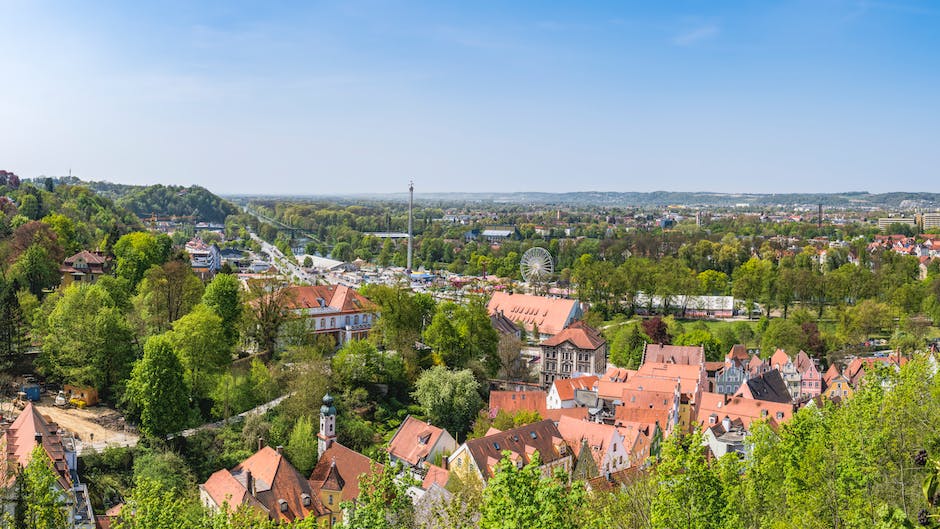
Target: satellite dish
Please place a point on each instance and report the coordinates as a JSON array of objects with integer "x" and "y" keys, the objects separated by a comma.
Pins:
[{"x": 536, "y": 265}]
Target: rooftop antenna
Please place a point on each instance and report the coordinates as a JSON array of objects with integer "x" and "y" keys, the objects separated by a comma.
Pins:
[{"x": 411, "y": 203}]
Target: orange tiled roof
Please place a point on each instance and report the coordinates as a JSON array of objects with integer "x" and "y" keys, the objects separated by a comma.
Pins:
[
  {"x": 19, "y": 440},
  {"x": 674, "y": 354},
  {"x": 513, "y": 401},
  {"x": 779, "y": 359},
  {"x": 598, "y": 437},
  {"x": 341, "y": 463},
  {"x": 831, "y": 374},
  {"x": 337, "y": 297},
  {"x": 414, "y": 440},
  {"x": 747, "y": 410},
  {"x": 579, "y": 334},
  {"x": 549, "y": 314},
  {"x": 618, "y": 374},
  {"x": 436, "y": 475},
  {"x": 566, "y": 386}
]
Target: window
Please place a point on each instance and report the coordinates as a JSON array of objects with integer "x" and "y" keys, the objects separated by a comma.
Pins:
[
  {"x": 329, "y": 499},
  {"x": 356, "y": 319},
  {"x": 779, "y": 415},
  {"x": 332, "y": 322}
]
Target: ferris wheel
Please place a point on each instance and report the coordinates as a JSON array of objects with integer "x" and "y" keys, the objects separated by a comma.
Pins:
[{"x": 536, "y": 265}]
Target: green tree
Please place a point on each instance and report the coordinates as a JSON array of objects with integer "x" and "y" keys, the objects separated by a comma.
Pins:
[
  {"x": 269, "y": 299},
  {"x": 690, "y": 494},
  {"x": 783, "y": 334},
  {"x": 157, "y": 389},
  {"x": 523, "y": 498},
  {"x": 383, "y": 501},
  {"x": 87, "y": 341},
  {"x": 713, "y": 348},
  {"x": 450, "y": 399},
  {"x": 167, "y": 293},
  {"x": 36, "y": 270},
  {"x": 199, "y": 340},
  {"x": 42, "y": 498},
  {"x": 626, "y": 348},
  {"x": 152, "y": 506},
  {"x": 13, "y": 326},
  {"x": 713, "y": 282},
  {"x": 136, "y": 252},
  {"x": 301, "y": 448},
  {"x": 751, "y": 281}
]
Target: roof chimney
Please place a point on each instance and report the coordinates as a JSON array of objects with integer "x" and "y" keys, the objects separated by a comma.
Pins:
[
  {"x": 249, "y": 482},
  {"x": 260, "y": 443},
  {"x": 280, "y": 449},
  {"x": 38, "y": 438}
]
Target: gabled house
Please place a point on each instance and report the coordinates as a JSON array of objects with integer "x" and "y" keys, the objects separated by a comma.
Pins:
[
  {"x": 857, "y": 368},
  {"x": 726, "y": 437},
  {"x": 757, "y": 367},
  {"x": 782, "y": 362},
  {"x": 417, "y": 444},
  {"x": 335, "y": 479},
  {"x": 811, "y": 383},
  {"x": 599, "y": 449},
  {"x": 479, "y": 457},
  {"x": 837, "y": 385},
  {"x": 84, "y": 267},
  {"x": 579, "y": 348},
  {"x": 713, "y": 408},
  {"x": 29, "y": 430},
  {"x": 735, "y": 371}
]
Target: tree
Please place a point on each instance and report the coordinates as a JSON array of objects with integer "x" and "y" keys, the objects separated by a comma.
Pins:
[
  {"x": 383, "y": 501},
  {"x": 157, "y": 389},
  {"x": 751, "y": 281},
  {"x": 450, "y": 399},
  {"x": 167, "y": 293},
  {"x": 713, "y": 282},
  {"x": 87, "y": 340},
  {"x": 657, "y": 330},
  {"x": 713, "y": 348},
  {"x": 301, "y": 448},
  {"x": 513, "y": 366},
  {"x": 269, "y": 299},
  {"x": 152, "y": 506},
  {"x": 199, "y": 341},
  {"x": 522, "y": 498},
  {"x": 136, "y": 252},
  {"x": 42, "y": 499},
  {"x": 783, "y": 334},
  {"x": 627, "y": 346},
  {"x": 36, "y": 270},
  {"x": 12, "y": 326},
  {"x": 690, "y": 494}
]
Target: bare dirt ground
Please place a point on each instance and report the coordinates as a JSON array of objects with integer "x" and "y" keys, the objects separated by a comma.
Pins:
[{"x": 96, "y": 427}]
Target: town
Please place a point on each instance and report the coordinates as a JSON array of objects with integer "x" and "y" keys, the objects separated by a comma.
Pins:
[{"x": 229, "y": 369}]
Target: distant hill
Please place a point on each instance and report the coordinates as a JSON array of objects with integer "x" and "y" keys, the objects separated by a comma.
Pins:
[
  {"x": 161, "y": 200},
  {"x": 855, "y": 200}
]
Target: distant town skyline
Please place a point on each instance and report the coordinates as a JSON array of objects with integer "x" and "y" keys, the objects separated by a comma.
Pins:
[{"x": 354, "y": 97}]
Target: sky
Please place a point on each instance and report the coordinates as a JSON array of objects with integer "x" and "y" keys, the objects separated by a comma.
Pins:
[{"x": 362, "y": 96}]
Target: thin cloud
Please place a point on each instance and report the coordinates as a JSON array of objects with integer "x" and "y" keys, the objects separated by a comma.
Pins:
[{"x": 697, "y": 35}]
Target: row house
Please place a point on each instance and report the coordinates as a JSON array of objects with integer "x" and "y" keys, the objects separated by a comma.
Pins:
[
  {"x": 837, "y": 384},
  {"x": 601, "y": 449},
  {"x": 811, "y": 382},
  {"x": 479, "y": 457},
  {"x": 734, "y": 372},
  {"x": 782, "y": 362}
]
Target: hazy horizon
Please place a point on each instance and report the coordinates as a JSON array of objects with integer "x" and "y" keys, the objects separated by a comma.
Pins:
[{"x": 340, "y": 98}]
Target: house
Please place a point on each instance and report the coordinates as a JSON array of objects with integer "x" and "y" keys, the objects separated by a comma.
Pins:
[
  {"x": 857, "y": 368},
  {"x": 782, "y": 362},
  {"x": 713, "y": 408},
  {"x": 497, "y": 235},
  {"x": 599, "y": 449},
  {"x": 29, "y": 430},
  {"x": 726, "y": 437},
  {"x": 417, "y": 444},
  {"x": 84, "y": 267},
  {"x": 479, "y": 457},
  {"x": 650, "y": 407},
  {"x": 836, "y": 384},
  {"x": 811, "y": 383},
  {"x": 757, "y": 367},
  {"x": 674, "y": 354},
  {"x": 268, "y": 483},
  {"x": 561, "y": 394},
  {"x": 334, "y": 310},
  {"x": 547, "y": 315},
  {"x": 769, "y": 386},
  {"x": 579, "y": 348},
  {"x": 514, "y": 401},
  {"x": 734, "y": 372}
]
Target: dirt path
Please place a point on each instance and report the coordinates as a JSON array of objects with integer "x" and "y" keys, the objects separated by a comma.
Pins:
[{"x": 95, "y": 427}]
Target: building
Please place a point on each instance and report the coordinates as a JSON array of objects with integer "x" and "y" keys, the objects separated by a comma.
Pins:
[
  {"x": 686, "y": 306},
  {"x": 334, "y": 310},
  {"x": 205, "y": 259},
  {"x": 930, "y": 221},
  {"x": 84, "y": 267},
  {"x": 561, "y": 394},
  {"x": 811, "y": 383},
  {"x": 29, "y": 430},
  {"x": 782, "y": 362},
  {"x": 837, "y": 385},
  {"x": 734, "y": 372},
  {"x": 268, "y": 483},
  {"x": 417, "y": 444},
  {"x": 726, "y": 437},
  {"x": 504, "y": 325},
  {"x": 713, "y": 408},
  {"x": 479, "y": 457},
  {"x": 768, "y": 386},
  {"x": 579, "y": 348},
  {"x": 547, "y": 315},
  {"x": 498, "y": 235},
  {"x": 599, "y": 449},
  {"x": 885, "y": 222}
]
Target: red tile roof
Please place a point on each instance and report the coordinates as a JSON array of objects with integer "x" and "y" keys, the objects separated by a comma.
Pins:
[
  {"x": 580, "y": 335},
  {"x": 338, "y": 297},
  {"x": 542, "y": 437},
  {"x": 674, "y": 354},
  {"x": 414, "y": 440},
  {"x": 598, "y": 437},
  {"x": 513, "y": 401},
  {"x": 747, "y": 410},
  {"x": 339, "y": 463},
  {"x": 566, "y": 386},
  {"x": 551, "y": 315},
  {"x": 436, "y": 475},
  {"x": 19, "y": 440}
]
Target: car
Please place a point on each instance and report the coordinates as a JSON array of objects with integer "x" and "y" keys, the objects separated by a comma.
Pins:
[{"x": 61, "y": 400}]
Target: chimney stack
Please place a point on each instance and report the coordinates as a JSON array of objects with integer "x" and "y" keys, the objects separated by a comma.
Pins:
[
  {"x": 260, "y": 443},
  {"x": 38, "y": 438},
  {"x": 280, "y": 449},
  {"x": 249, "y": 482}
]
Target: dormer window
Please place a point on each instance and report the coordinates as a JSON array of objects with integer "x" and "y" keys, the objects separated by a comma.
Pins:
[
  {"x": 282, "y": 504},
  {"x": 305, "y": 498}
]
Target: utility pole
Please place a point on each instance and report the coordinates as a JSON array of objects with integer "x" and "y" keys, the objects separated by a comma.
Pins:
[{"x": 411, "y": 204}]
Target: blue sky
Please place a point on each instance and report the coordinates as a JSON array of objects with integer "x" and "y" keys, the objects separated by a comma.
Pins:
[{"x": 360, "y": 96}]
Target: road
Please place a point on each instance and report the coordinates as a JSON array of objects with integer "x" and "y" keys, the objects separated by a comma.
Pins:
[{"x": 284, "y": 264}]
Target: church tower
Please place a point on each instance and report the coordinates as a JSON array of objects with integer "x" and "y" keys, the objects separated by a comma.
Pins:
[{"x": 327, "y": 435}]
